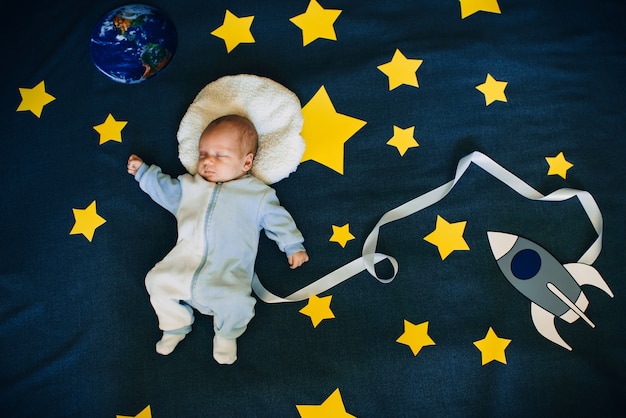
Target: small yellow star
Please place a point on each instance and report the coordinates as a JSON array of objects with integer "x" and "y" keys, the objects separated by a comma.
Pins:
[
  {"x": 34, "y": 99},
  {"x": 403, "y": 139},
  {"x": 469, "y": 7},
  {"x": 341, "y": 235},
  {"x": 325, "y": 131},
  {"x": 558, "y": 165},
  {"x": 331, "y": 407},
  {"x": 492, "y": 89},
  {"x": 401, "y": 70},
  {"x": 146, "y": 413},
  {"x": 110, "y": 129},
  {"x": 492, "y": 347},
  {"x": 235, "y": 30},
  {"x": 86, "y": 221},
  {"x": 415, "y": 336},
  {"x": 447, "y": 237},
  {"x": 316, "y": 22},
  {"x": 318, "y": 309}
]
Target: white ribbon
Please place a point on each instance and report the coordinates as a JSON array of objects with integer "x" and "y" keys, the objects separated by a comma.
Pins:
[{"x": 370, "y": 257}]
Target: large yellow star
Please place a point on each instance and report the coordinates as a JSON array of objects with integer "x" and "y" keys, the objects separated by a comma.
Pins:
[
  {"x": 403, "y": 139},
  {"x": 316, "y": 22},
  {"x": 318, "y": 309},
  {"x": 110, "y": 129},
  {"x": 86, "y": 221},
  {"x": 235, "y": 30},
  {"x": 331, "y": 407},
  {"x": 558, "y": 165},
  {"x": 146, "y": 413},
  {"x": 469, "y": 7},
  {"x": 492, "y": 347},
  {"x": 415, "y": 336},
  {"x": 341, "y": 235},
  {"x": 325, "y": 131},
  {"x": 492, "y": 89},
  {"x": 447, "y": 237},
  {"x": 34, "y": 99},
  {"x": 401, "y": 70}
]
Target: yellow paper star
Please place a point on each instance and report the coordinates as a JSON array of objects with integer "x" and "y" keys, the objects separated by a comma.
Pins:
[
  {"x": 492, "y": 89},
  {"x": 341, "y": 235},
  {"x": 415, "y": 336},
  {"x": 86, "y": 221},
  {"x": 316, "y": 22},
  {"x": 401, "y": 70},
  {"x": 110, "y": 129},
  {"x": 318, "y": 309},
  {"x": 34, "y": 99},
  {"x": 403, "y": 139},
  {"x": 331, "y": 407},
  {"x": 325, "y": 131},
  {"x": 146, "y": 413},
  {"x": 447, "y": 237},
  {"x": 558, "y": 165},
  {"x": 492, "y": 347},
  {"x": 469, "y": 7},
  {"x": 235, "y": 30}
]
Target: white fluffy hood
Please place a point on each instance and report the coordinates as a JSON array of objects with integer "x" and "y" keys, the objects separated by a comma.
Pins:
[{"x": 274, "y": 110}]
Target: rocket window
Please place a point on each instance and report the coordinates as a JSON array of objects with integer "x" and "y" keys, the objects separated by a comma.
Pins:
[{"x": 525, "y": 264}]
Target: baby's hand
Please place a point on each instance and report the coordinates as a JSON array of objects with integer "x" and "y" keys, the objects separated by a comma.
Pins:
[
  {"x": 134, "y": 163},
  {"x": 297, "y": 259}
]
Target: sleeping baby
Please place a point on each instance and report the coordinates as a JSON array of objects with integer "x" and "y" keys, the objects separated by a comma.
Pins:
[{"x": 220, "y": 213}]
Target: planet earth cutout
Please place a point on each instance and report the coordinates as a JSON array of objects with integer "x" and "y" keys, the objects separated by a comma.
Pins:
[{"x": 132, "y": 43}]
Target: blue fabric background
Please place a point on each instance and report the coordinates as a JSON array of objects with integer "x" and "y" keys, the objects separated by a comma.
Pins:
[{"x": 77, "y": 331}]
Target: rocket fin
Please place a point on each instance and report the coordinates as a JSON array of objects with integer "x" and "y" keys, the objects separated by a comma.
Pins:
[
  {"x": 572, "y": 305},
  {"x": 544, "y": 322},
  {"x": 585, "y": 274},
  {"x": 582, "y": 303}
]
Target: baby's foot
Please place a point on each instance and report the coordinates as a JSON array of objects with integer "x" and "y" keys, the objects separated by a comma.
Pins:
[
  {"x": 224, "y": 350},
  {"x": 168, "y": 343}
]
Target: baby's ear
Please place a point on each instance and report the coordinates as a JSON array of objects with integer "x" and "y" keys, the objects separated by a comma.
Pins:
[{"x": 248, "y": 161}]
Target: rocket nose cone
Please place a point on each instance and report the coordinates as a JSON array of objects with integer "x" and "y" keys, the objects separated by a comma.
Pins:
[{"x": 501, "y": 243}]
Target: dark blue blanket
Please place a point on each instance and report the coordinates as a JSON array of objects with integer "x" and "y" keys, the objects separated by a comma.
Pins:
[{"x": 538, "y": 88}]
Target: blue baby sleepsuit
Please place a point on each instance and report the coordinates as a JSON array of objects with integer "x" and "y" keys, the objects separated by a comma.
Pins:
[{"x": 212, "y": 264}]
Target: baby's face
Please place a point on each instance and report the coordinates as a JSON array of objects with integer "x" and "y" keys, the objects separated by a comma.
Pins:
[{"x": 220, "y": 155}]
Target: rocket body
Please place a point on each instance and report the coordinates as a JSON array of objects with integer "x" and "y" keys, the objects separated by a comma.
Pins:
[
  {"x": 529, "y": 268},
  {"x": 553, "y": 288}
]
